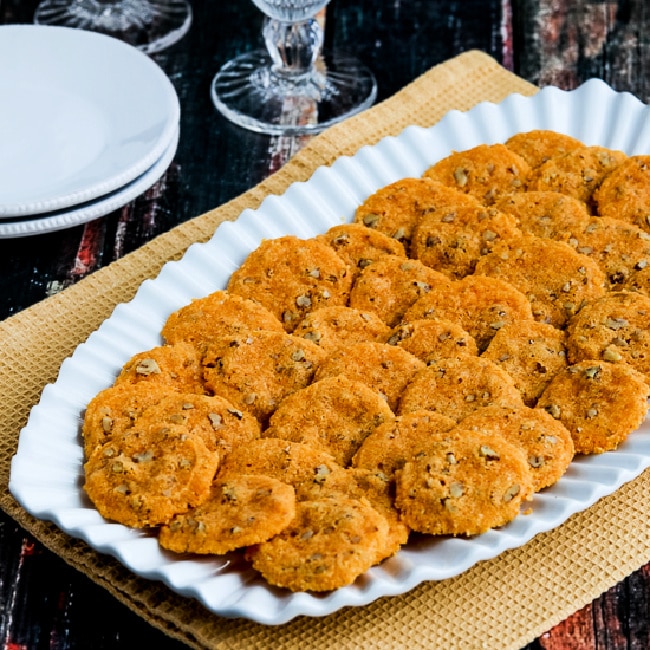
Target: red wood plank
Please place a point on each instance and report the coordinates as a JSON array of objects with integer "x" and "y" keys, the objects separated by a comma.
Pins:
[{"x": 574, "y": 633}]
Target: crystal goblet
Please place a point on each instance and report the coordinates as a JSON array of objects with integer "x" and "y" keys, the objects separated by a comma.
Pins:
[
  {"x": 149, "y": 25},
  {"x": 291, "y": 88}
]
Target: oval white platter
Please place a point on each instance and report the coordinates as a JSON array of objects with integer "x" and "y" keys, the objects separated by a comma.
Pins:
[
  {"x": 81, "y": 115},
  {"x": 46, "y": 474}
]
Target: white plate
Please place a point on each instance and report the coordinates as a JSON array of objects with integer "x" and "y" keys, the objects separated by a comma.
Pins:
[
  {"x": 46, "y": 473},
  {"x": 81, "y": 114},
  {"x": 84, "y": 212}
]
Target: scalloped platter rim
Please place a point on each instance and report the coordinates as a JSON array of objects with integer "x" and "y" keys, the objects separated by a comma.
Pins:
[{"x": 224, "y": 584}]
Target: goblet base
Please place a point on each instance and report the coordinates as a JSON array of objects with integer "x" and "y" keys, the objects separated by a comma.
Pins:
[
  {"x": 149, "y": 25},
  {"x": 249, "y": 93}
]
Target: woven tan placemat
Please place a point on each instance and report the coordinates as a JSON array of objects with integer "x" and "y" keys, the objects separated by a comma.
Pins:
[{"x": 501, "y": 603}]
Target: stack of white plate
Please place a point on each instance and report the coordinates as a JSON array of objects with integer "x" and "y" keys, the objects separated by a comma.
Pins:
[{"x": 87, "y": 123}]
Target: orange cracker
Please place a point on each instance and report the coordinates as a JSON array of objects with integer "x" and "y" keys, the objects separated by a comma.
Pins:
[
  {"x": 457, "y": 387},
  {"x": 291, "y": 277},
  {"x": 391, "y": 285},
  {"x": 385, "y": 368},
  {"x": 145, "y": 477},
  {"x": 481, "y": 305},
  {"x": 218, "y": 314},
  {"x": 430, "y": 339},
  {"x": 546, "y": 441},
  {"x": 363, "y": 484},
  {"x": 221, "y": 425},
  {"x": 486, "y": 172},
  {"x": 399, "y": 440},
  {"x": 395, "y": 208},
  {"x": 115, "y": 409},
  {"x": 465, "y": 484},
  {"x": 240, "y": 511},
  {"x": 328, "y": 545},
  {"x": 452, "y": 240},
  {"x": 556, "y": 279},
  {"x": 334, "y": 413},
  {"x": 358, "y": 246},
  {"x": 546, "y": 214},
  {"x": 619, "y": 248},
  {"x": 295, "y": 463},
  {"x": 176, "y": 367},
  {"x": 257, "y": 372},
  {"x": 600, "y": 403},
  {"x": 625, "y": 193},
  {"x": 531, "y": 353},
  {"x": 333, "y": 327},
  {"x": 614, "y": 328},
  {"x": 638, "y": 281},
  {"x": 578, "y": 173},
  {"x": 539, "y": 145}
]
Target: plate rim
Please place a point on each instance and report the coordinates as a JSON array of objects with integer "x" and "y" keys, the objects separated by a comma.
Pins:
[{"x": 94, "y": 209}]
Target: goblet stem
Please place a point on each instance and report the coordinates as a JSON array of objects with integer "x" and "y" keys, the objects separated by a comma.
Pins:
[
  {"x": 288, "y": 88},
  {"x": 293, "y": 47}
]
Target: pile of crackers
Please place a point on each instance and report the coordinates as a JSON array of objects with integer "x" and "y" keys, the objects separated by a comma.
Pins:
[{"x": 423, "y": 370}]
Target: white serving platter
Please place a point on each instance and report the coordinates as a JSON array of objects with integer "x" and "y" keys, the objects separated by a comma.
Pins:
[
  {"x": 81, "y": 115},
  {"x": 47, "y": 473}
]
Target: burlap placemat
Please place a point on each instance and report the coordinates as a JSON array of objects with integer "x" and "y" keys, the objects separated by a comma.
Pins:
[{"x": 501, "y": 603}]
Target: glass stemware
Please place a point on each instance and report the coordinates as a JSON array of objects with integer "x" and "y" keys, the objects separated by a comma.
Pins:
[
  {"x": 149, "y": 25},
  {"x": 291, "y": 88}
]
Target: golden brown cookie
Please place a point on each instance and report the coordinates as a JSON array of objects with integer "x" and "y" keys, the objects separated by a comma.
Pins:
[
  {"x": 257, "y": 372},
  {"x": 531, "y": 353},
  {"x": 358, "y": 246},
  {"x": 217, "y": 315},
  {"x": 539, "y": 145},
  {"x": 457, "y": 387},
  {"x": 600, "y": 403},
  {"x": 614, "y": 328},
  {"x": 486, "y": 172},
  {"x": 399, "y": 440},
  {"x": 145, "y": 477},
  {"x": 625, "y": 193},
  {"x": 335, "y": 414},
  {"x": 294, "y": 463},
  {"x": 452, "y": 240},
  {"x": 361, "y": 484},
  {"x": 556, "y": 279},
  {"x": 176, "y": 367},
  {"x": 546, "y": 214},
  {"x": 465, "y": 484},
  {"x": 546, "y": 441},
  {"x": 578, "y": 173},
  {"x": 386, "y": 369},
  {"x": 328, "y": 545},
  {"x": 481, "y": 305},
  {"x": 115, "y": 409},
  {"x": 430, "y": 339},
  {"x": 221, "y": 425},
  {"x": 619, "y": 248},
  {"x": 395, "y": 208},
  {"x": 291, "y": 277},
  {"x": 391, "y": 285},
  {"x": 240, "y": 511},
  {"x": 333, "y": 327}
]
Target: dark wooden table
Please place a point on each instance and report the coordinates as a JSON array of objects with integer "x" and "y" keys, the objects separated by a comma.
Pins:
[{"x": 46, "y": 604}]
